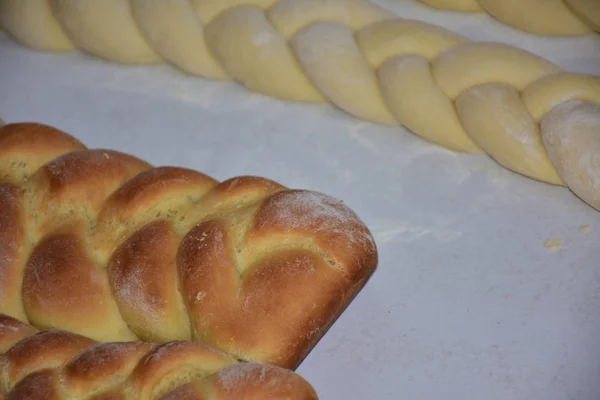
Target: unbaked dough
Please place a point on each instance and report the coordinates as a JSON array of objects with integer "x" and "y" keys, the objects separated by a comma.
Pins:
[
  {"x": 587, "y": 10},
  {"x": 571, "y": 134},
  {"x": 174, "y": 30},
  {"x": 32, "y": 23},
  {"x": 104, "y": 28},
  {"x": 540, "y": 17},
  {"x": 467, "y": 96}
]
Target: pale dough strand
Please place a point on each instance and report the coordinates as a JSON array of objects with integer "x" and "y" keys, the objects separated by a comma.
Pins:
[
  {"x": 32, "y": 23},
  {"x": 539, "y": 17},
  {"x": 571, "y": 133},
  {"x": 463, "y": 95}
]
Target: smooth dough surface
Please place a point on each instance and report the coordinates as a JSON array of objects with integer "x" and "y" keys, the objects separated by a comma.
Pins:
[
  {"x": 105, "y": 29},
  {"x": 32, "y": 23},
  {"x": 208, "y": 10},
  {"x": 254, "y": 53},
  {"x": 291, "y": 16},
  {"x": 539, "y": 17},
  {"x": 488, "y": 62},
  {"x": 587, "y": 10},
  {"x": 330, "y": 56},
  {"x": 454, "y": 5},
  {"x": 546, "y": 93},
  {"x": 496, "y": 118},
  {"x": 549, "y": 17},
  {"x": 389, "y": 38},
  {"x": 411, "y": 93},
  {"x": 571, "y": 135},
  {"x": 176, "y": 32}
]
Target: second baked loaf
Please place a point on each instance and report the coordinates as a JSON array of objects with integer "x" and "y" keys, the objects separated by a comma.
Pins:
[
  {"x": 102, "y": 244},
  {"x": 56, "y": 365}
]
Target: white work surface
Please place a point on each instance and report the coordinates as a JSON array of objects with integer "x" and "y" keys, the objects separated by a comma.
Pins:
[{"x": 467, "y": 301}]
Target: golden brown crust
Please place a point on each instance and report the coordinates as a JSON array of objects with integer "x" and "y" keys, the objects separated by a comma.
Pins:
[
  {"x": 13, "y": 242},
  {"x": 164, "y": 192},
  {"x": 173, "y": 364},
  {"x": 240, "y": 191},
  {"x": 236, "y": 304},
  {"x": 208, "y": 275},
  {"x": 39, "y": 385},
  {"x": 257, "y": 381},
  {"x": 189, "y": 391},
  {"x": 76, "y": 185},
  {"x": 62, "y": 287},
  {"x": 103, "y": 244},
  {"x": 143, "y": 273},
  {"x": 26, "y": 146},
  {"x": 11, "y": 331},
  {"x": 44, "y": 349},
  {"x": 327, "y": 223},
  {"x": 147, "y": 189},
  {"x": 59, "y": 365},
  {"x": 115, "y": 394},
  {"x": 103, "y": 367}
]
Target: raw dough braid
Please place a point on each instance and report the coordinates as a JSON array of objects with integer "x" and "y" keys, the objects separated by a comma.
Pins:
[
  {"x": 55, "y": 364},
  {"x": 102, "y": 244},
  {"x": 540, "y": 17},
  {"x": 462, "y": 95}
]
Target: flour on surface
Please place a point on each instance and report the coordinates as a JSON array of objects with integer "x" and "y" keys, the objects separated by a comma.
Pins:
[
  {"x": 316, "y": 211},
  {"x": 238, "y": 375},
  {"x": 407, "y": 232},
  {"x": 8, "y": 327},
  {"x": 553, "y": 244},
  {"x": 570, "y": 132}
]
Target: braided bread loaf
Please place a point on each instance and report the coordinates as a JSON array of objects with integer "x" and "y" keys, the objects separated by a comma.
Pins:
[
  {"x": 55, "y": 364},
  {"x": 102, "y": 244},
  {"x": 490, "y": 98},
  {"x": 547, "y": 17}
]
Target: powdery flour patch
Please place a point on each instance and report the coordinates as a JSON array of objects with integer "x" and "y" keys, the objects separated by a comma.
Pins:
[{"x": 317, "y": 212}]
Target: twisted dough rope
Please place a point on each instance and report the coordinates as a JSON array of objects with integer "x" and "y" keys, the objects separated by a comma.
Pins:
[
  {"x": 102, "y": 244},
  {"x": 55, "y": 364},
  {"x": 525, "y": 112},
  {"x": 545, "y": 17}
]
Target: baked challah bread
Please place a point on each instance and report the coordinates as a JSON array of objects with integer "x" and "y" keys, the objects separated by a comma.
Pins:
[
  {"x": 546, "y": 17},
  {"x": 54, "y": 364},
  {"x": 102, "y": 244},
  {"x": 466, "y": 96}
]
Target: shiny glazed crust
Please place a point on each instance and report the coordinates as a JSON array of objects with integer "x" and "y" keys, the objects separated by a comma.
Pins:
[
  {"x": 102, "y": 244},
  {"x": 55, "y": 364}
]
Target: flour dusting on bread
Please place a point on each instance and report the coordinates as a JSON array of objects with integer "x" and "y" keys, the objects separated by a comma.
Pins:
[{"x": 308, "y": 210}]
